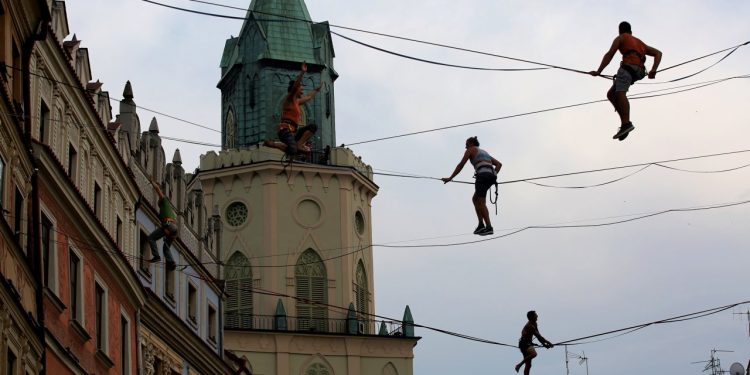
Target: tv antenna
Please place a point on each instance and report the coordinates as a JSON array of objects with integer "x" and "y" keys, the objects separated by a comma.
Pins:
[
  {"x": 580, "y": 357},
  {"x": 746, "y": 313},
  {"x": 713, "y": 364}
]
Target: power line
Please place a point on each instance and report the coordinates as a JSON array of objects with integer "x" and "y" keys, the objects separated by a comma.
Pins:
[
  {"x": 675, "y": 319},
  {"x": 422, "y": 41},
  {"x": 90, "y": 92},
  {"x": 360, "y": 248},
  {"x": 523, "y": 114},
  {"x": 644, "y": 165},
  {"x": 432, "y": 61}
]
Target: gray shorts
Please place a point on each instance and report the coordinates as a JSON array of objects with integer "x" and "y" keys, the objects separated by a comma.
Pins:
[{"x": 623, "y": 78}]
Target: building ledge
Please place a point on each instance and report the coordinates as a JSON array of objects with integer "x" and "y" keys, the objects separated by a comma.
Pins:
[
  {"x": 104, "y": 358},
  {"x": 80, "y": 330},
  {"x": 54, "y": 300}
]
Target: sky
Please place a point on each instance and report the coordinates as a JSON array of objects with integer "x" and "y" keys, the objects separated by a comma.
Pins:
[{"x": 581, "y": 281}]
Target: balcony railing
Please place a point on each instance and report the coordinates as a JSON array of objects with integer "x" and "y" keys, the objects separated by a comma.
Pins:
[{"x": 317, "y": 325}]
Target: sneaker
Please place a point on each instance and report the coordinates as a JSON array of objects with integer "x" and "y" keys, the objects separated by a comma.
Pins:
[
  {"x": 622, "y": 138},
  {"x": 479, "y": 228},
  {"x": 624, "y": 130},
  {"x": 171, "y": 265},
  {"x": 155, "y": 259},
  {"x": 486, "y": 231}
]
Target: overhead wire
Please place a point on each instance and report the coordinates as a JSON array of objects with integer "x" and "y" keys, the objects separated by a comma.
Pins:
[
  {"x": 570, "y": 342},
  {"x": 523, "y": 114},
  {"x": 90, "y": 92},
  {"x": 363, "y": 247},
  {"x": 297, "y": 19}
]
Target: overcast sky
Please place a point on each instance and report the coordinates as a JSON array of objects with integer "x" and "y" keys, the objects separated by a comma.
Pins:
[{"x": 581, "y": 281}]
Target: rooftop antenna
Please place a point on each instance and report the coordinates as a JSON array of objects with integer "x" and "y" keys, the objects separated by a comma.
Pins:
[
  {"x": 713, "y": 364},
  {"x": 746, "y": 313},
  {"x": 580, "y": 357}
]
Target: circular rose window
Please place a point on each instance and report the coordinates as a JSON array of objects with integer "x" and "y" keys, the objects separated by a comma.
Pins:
[{"x": 236, "y": 214}]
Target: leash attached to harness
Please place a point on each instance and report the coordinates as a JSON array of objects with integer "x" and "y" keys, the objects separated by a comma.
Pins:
[{"x": 496, "y": 197}]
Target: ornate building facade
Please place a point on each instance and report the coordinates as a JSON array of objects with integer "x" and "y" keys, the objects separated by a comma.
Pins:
[{"x": 79, "y": 295}]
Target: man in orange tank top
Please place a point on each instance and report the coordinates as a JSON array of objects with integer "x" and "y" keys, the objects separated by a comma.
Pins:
[
  {"x": 632, "y": 68},
  {"x": 292, "y": 136}
]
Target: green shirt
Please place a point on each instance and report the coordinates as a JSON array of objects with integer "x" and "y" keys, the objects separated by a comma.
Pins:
[{"x": 166, "y": 210}]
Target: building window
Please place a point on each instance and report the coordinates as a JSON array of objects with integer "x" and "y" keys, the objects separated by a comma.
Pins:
[
  {"x": 97, "y": 200},
  {"x": 236, "y": 214},
  {"x": 238, "y": 309},
  {"x": 49, "y": 254},
  {"x": 361, "y": 290},
  {"x": 192, "y": 302},
  {"x": 311, "y": 291},
  {"x": 100, "y": 325},
  {"x": 212, "y": 323},
  {"x": 231, "y": 130},
  {"x": 317, "y": 369},
  {"x": 118, "y": 232},
  {"x": 18, "y": 215},
  {"x": 10, "y": 367},
  {"x": 76, "y": 289},
  {"x": 328, "y": 104},
  {"x": 72, "y": 162},
  {"x": 44, "y": 122},
  {"x": 125, "y": 344},
  {"x": 144, "y": 254}
]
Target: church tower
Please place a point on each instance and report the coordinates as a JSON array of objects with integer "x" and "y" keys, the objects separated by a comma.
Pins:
[
  {"x": 295, "y": 239},
  {"x": 256, "y": 67}
]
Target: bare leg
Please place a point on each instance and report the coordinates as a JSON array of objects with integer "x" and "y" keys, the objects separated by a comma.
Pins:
[
  {"x": 611, "y": 98},
  {"x": 477, "y": 209},
  {"x": 527, "y": 361},
  {"x": 624, "y": 106},
  {"x": 480, "y": 205},
  {"x": 305, "y": 137},
  {"x": 274, "y": 144}
]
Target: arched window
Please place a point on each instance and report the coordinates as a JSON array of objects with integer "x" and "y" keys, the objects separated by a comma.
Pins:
[
  {"x": 318, "y": 369},
  {"x": 238, "y": 310},
  {"x": 311, "y": 284},
  {"x": 390, "y": 369},
  {"x": 361, "y": 289},
  {"x": 230, "y": 130}
]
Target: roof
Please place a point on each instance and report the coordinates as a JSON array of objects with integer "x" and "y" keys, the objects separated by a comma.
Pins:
[{"x": 286, "y": 25}]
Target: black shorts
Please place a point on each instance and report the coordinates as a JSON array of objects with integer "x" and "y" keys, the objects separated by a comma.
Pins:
[
  {"x": 484, "y": 182},
  {"x": 290, "y": 139},
  {"x": 523, "y": 346}
]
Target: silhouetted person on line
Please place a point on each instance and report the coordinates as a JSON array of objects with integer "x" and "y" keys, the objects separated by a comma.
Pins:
[
  {"x": 293, "y": 137},
  {"x": 486, "y": 168},
  {"x": 632, "y": 68},
  {"x": 167, "y": 229},
  {"x": 526, "y": 345}
]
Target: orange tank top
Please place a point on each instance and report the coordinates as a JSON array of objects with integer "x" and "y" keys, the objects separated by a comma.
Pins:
[
  {"x": 632, "y": 49},
  {"x": 291, "y": 111}
]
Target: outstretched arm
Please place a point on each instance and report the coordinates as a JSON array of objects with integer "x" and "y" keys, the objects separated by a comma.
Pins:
[
  {"x": 651, "y": 51},
  {"x": 459, "y": 167},
  {"x": 607, "y": 57},
  {"x": 158, "y": 189},
  {"x": 297, "y": 82},
  {"x": 311, "y": 94}
]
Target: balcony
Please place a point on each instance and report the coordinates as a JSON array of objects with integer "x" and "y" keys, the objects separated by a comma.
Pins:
[{"x": 318, "y": 325}]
